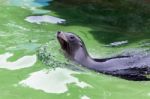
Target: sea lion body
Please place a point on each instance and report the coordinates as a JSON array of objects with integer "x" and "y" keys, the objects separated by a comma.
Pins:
[{"x": 127, "y": 67}]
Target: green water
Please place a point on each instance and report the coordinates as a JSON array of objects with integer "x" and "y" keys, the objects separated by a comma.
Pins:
[{"x": 22, "y": 38}]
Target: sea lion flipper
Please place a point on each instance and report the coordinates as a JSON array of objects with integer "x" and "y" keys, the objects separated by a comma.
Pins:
[
  {"x": 135, "y": 74},
  {"x": 135, "y": 77},
  {"x": 106, "y": 59}
]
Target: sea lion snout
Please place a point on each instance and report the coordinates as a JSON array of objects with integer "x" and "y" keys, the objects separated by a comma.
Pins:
[
  {"x": 59, "y": 32},
  {"x": 61, "y": 35}
]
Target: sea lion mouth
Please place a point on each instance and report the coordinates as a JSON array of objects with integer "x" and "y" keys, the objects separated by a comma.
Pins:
[
  {"x": 63, "y": 41},
  {"x": 64, "y": 44}
]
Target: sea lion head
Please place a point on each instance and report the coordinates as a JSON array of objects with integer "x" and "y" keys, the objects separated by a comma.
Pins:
[{"x": 72, "y": 45}]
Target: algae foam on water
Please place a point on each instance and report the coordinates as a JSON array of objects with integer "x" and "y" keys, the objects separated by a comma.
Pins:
[{"x": 50, "y": 55}]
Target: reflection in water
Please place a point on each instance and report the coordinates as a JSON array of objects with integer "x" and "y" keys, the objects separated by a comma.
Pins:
[
  {"x": 85, "y": 97},
  {"x": 145, "y": 43},
  {"x": 26, "y": 46},
  {"x": 44, "y": 18},
  {"x": 118, "y": 43},
  {"x": 25, "y": 61},
  {"x": 54, "y": 81},
  {"x": 17, "y": 26},
  {"x": 32, "y": 5}
]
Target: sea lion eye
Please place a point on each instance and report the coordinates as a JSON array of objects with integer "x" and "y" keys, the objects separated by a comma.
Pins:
[{"x": 72, "y": 37}]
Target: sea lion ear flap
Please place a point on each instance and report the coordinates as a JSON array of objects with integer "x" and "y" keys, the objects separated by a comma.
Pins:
[{"x": 80, "y": 44}]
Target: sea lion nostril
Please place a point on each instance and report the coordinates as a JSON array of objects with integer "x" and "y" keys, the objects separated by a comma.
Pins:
[{"x": 58, "y": 32}]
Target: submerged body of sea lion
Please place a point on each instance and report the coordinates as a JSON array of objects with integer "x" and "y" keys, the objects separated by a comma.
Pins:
[{"x": 127, "y": 67}]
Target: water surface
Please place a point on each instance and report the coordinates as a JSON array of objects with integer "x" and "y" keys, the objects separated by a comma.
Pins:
[{"x": 23, "y": 76}]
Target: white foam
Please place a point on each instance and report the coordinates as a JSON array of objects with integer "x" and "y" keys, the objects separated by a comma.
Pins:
[
  {"x": 44, "y": 18},
  {"x": 54, "y": 81},
  {"x": 85, "y": 97},
  {"x": 118, "y": 43},
  {"x": 23, "y": 62}
]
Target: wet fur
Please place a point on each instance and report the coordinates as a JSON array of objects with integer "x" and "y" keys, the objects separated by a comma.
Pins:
[{"x": 137, "y": 73}]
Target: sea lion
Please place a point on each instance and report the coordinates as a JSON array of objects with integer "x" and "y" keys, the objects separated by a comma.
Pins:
[{"x": 127, "y": 67}]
